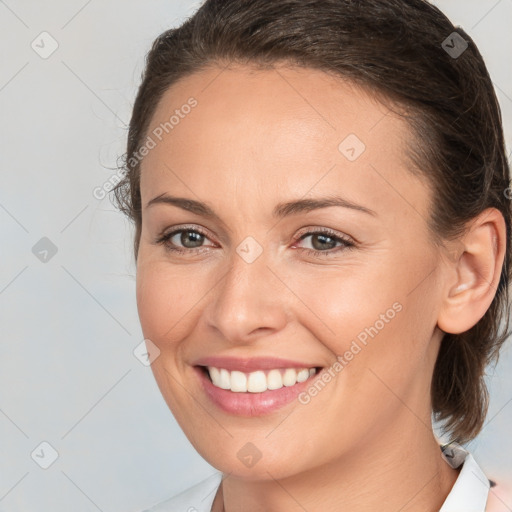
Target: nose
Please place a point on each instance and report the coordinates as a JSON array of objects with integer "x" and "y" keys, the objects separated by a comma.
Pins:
[{"x": 248, "y": 302}]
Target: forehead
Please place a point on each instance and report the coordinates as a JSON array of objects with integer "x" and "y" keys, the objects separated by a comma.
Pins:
[{"x": 273, "y": 130}]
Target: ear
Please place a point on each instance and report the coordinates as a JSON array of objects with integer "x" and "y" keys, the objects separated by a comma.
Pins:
[{"x": 474, "y": 270}]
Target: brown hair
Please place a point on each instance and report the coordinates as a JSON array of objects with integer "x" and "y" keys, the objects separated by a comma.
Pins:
[{"x": 410, "y": 53}]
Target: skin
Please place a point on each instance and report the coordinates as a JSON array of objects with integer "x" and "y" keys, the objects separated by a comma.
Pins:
[{"x": 255, "y": 139}]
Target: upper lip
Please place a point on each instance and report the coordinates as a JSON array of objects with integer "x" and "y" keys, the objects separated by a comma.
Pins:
[{"x": 251, "y": 364}]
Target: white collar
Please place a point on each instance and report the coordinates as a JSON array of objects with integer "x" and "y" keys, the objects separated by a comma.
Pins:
[{"x": 471, "y": 489}]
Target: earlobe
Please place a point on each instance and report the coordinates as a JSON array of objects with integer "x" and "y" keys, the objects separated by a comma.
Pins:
[{"x": 477, "y": 268}]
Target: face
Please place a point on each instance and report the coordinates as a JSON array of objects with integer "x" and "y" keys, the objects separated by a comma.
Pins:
[{"x": 266, "y": 277}]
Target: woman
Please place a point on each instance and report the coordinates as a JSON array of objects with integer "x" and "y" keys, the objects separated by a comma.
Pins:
[{"x": 319, "y": 191}]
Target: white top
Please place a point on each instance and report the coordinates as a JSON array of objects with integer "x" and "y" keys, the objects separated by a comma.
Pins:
[{"x": 468, "y": 494}]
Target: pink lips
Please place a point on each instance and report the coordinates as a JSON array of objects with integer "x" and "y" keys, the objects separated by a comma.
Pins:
[
  {"x": 251, "y": 364},
  {"x": 250, "y": 404}
]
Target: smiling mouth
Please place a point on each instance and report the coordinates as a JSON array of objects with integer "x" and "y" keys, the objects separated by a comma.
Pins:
[{"x": 257, "y": 381}]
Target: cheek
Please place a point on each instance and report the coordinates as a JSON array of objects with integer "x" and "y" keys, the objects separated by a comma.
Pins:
[
  {"x": 344, "y": 303},
  {"x": 162, "y": 302},
  {"x": 369, "y": 317}
]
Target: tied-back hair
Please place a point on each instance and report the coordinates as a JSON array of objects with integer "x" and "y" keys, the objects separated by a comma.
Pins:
[{"x": 396, "y": 50}]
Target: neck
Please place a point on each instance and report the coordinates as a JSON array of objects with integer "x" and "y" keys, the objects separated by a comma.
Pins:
[{"x": 393, "y": 472}]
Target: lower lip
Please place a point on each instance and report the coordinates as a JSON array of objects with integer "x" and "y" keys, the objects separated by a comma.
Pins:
[{"x": 251, "y": 404}]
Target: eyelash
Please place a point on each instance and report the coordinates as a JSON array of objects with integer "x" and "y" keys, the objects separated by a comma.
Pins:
[{"x": 347, "y": 242}]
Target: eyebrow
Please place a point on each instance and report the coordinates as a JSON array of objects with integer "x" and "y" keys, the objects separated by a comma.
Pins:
[{"x": 280, "y": 211}]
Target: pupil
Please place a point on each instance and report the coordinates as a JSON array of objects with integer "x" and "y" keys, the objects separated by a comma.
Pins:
[
  {"x": 323, "y": 238},
  {"x": 196, "y": 238}
]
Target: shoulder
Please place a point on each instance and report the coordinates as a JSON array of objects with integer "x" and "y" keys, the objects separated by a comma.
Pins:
[{"x": 198, "y": 498}]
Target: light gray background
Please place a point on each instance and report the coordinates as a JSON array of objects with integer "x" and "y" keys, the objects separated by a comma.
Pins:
[{"x": 67, "y": 372}]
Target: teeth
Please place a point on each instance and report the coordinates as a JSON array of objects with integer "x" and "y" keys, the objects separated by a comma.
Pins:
[
  {"x": 274, "y": 379},
  {"x": 290, "y": 377},
  {"x": 221, "y": 377},
  {"x": 258, "y": 381},
  {"x": 303, "y": 375},
  {"x": 238, "y": 382}
]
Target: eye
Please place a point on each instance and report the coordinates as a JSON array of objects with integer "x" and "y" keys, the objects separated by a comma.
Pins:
[
  {"x": 191, "y": 240},
  {"x": 326, "y": 242}
]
